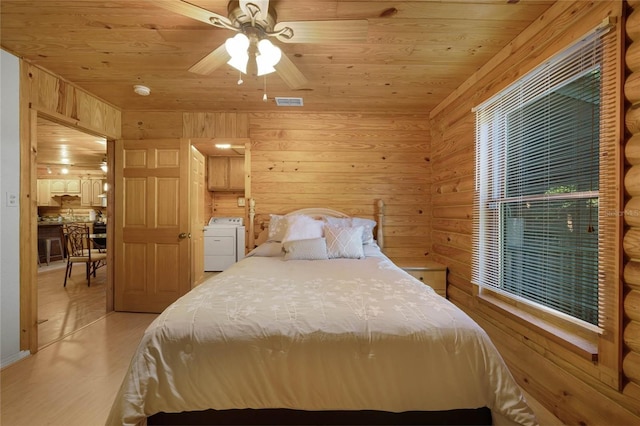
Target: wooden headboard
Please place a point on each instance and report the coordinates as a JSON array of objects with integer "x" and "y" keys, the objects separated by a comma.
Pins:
[{"x": 263, "y": 226}]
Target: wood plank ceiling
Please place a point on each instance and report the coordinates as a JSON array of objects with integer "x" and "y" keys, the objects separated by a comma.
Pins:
[
  {"x": 415, "y": 54},
  {"x": 63, "y": 147}
]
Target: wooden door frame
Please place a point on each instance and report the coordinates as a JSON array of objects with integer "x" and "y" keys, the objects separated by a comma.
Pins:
[
  {"x": 29, "y": 224},
  {"x": 197, "y": 213}
]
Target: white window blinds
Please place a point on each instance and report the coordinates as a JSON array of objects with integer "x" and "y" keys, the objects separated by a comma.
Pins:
[{"x": 545, "y": 200}]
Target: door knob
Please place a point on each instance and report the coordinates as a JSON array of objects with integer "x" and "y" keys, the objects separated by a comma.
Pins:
[{"x": 182, "y": 235}]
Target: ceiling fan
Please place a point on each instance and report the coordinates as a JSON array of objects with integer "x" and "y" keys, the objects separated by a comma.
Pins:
[{"x": 257, "y": 21}]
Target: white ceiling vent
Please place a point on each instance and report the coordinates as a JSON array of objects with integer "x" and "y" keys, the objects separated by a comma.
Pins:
[{"x": 292, "y": 102}]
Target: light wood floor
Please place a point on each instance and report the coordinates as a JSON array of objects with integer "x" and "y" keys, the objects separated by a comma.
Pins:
[
  {"x": 62, "y": 310},
  {"x": 73, "y": 381}
]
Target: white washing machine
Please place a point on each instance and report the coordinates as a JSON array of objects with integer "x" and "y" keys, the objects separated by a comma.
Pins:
[{"x": 223, "y": 242}]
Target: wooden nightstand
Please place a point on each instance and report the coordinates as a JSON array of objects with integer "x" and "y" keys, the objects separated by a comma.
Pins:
[{"x": 433, "y": 274}]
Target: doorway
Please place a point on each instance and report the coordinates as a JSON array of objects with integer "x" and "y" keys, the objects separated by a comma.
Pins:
[{"x": 72, "y": 177}]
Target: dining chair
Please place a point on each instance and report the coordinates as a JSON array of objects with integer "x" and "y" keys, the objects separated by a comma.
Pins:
[{"x": 80, "y": 250}]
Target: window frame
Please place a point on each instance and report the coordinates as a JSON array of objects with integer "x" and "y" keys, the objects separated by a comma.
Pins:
[
  {"x": 497, "y": 199},
  {"x": 564, "y": 337}
]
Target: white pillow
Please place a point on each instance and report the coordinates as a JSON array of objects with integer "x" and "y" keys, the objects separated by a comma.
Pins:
[
  {"x": 368, "y": 224},
  {"x": 277, "y": 227},
  {"x": 344, "y": 242},
  {"x": 301, "y": 227},
  {"x": 313, "y": 249},
  {"x": 372, "y": 250},
  {"x": 267, "y": 249}
]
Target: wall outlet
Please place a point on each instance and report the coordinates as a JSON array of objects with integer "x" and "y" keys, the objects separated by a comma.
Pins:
[
  {"x": 240, "y": 201},
  {"x": 12, "y": 199}
]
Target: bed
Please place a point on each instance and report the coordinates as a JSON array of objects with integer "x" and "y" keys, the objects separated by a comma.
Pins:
[{"x": 317, "y": 326}]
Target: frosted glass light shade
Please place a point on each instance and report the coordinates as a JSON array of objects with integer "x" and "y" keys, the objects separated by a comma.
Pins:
[
  {"x": 269, "y": 56},
  {"x": 237, "y": 47}
]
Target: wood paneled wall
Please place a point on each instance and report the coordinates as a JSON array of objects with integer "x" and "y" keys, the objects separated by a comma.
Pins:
[
  {"x": 341, "y": 161},
  {"x": 64, "y": 102},
  {"x": 574, "y": 389},
  {"x": 347, "y": 162}
]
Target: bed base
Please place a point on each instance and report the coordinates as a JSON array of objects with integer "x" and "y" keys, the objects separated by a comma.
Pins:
[{"x": 480, "y": 416}]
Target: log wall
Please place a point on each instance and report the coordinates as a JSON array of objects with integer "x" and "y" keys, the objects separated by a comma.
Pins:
[
  {"x": 574, "y": 389},
  {"x": 340, "y": 161},
  {"x": 631, "y": 334}
]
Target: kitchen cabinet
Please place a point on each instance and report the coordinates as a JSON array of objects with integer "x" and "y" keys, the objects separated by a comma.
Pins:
[
  {"x": 97, "y": 188},
  {"x": 65, "y": 186},
  {"x": 225, "y": 173},
  {"x": 43, "y": 194},
  {"x": 90, "y": 190}
]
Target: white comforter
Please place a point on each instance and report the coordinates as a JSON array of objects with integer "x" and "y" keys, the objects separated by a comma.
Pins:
[{"x": 316, "y": 335}]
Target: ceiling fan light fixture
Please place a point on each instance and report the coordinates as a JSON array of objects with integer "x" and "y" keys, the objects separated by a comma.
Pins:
[
  {"x": 237, "y": 47},
  {"x": 269, "y": 56},
  {"x": 239, "y": 62}
]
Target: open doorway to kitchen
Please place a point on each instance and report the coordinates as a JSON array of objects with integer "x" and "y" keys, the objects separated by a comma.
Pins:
[{"x": 71, "y": 169}]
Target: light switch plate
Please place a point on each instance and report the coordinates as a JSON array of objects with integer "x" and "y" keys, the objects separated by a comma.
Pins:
[{"x": 240, "y": 201}]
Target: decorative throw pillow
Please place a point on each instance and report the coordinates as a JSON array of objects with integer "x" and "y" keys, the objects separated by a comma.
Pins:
[
  {"x": 277, "y": 227},
  {"x": 372, "y": 250},
  {"x": 312, "y": 249},
  {"x": 301, "y": 227},
  {"x": 344, "y": 242},
  {"x": 368, "y": 224},
  {"x": 267, "y": 249}
]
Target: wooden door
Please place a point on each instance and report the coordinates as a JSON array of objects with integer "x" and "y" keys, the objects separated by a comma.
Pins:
[
  {"x": 152, "y": 267},
  {"x": 198, "y": 218}
]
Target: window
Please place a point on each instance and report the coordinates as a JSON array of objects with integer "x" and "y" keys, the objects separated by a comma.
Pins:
[{"x": 546, "y": 205}]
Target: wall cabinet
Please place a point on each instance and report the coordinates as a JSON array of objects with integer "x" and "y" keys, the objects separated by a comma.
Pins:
[
  {"x": 225, "y": 173},
  {"x": 90, "y": 189},
  {"x": 43, "y": 195},
  {"x": 65, "y": 186}
]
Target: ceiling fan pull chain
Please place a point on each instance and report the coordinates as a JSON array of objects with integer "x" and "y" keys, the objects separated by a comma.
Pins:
[
  {"x": 240, "y": 81},
  {"x": 264, "y": 96}
]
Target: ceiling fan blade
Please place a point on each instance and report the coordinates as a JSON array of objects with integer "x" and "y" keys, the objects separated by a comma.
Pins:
[
  {"x": 192, "y": 11},
  {"x": 327, "y": 32},
  {"x": 290, "y": 73},
  {"x": 263, "y": 6},
  {"x": 212, "y": 61}
]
